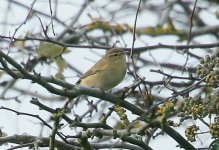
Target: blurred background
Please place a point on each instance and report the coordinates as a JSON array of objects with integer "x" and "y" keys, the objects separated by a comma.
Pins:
[{"x": 64, "y": 38}]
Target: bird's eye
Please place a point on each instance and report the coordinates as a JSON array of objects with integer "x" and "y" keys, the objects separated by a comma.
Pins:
[{"x": 115, "y": 55}]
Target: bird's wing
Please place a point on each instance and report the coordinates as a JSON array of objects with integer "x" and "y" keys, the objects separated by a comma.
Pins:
[
  {"x": 96, "y": 68},
  {"x": 88, "y": 73}
]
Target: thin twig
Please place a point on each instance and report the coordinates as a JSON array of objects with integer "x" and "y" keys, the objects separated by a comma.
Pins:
[
  {"x": 173, "y": 77},
  {"x": 133, "y": 41},
  {"x": 190, "y": 32},
  {"x": 134, "y": 29},
  {"x": 34, "y": 116},
  {"x": 50, "y": 8},
  {"x": 54, "y": 132},
  {"x": 136, "y": 76},
  {"x": 25, "y": 20},
  {"x": 138, "y": 49},
  {"x": 191, "y": 22}
]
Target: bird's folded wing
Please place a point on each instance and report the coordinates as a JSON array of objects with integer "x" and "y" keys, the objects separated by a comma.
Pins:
[{"x": 88, "y": 73}]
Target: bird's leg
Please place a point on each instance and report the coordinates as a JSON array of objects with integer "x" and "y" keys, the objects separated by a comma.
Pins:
[{"x": 124, "y": 92}]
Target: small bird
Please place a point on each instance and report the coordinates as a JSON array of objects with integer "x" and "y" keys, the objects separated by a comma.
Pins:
[{"x": 108, "y": 72}]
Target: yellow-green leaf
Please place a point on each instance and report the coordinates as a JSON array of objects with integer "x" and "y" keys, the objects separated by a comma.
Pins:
[
  {"x": 20, "y": 44},
  {"x": 62, "y": 64},
  {"x": 51, "y": 50}
]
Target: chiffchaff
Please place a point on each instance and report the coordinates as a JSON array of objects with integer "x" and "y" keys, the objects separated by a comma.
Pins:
[{"x": 108, "y": 72}]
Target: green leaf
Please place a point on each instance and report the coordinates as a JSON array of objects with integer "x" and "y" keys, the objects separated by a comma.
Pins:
[
  {"x": 51, "y": 50},
  {"x": 62, "y": 64},
  {"x": 20, "y": 44}
]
